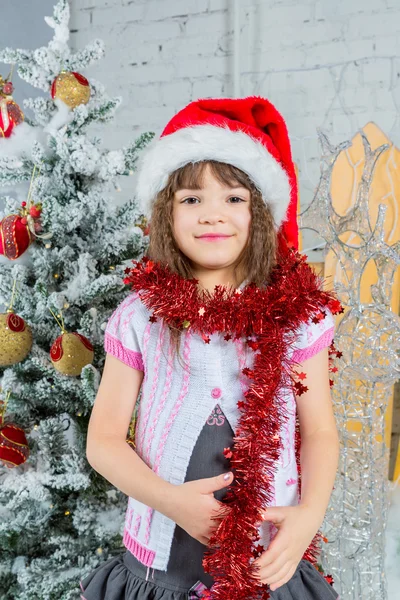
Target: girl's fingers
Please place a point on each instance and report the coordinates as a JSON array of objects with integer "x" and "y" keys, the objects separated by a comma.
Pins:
[
  {"x": 277, "y": 576},
  {"x": 284, "y": 580},
  {"x": 274, "y": 567}
]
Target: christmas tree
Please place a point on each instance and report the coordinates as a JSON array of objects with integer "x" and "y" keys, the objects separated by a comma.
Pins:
[{"x": 63, "y": 251}]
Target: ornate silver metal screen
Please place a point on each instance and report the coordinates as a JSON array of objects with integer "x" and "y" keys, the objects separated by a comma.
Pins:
[{"x": 369, "y": 338}]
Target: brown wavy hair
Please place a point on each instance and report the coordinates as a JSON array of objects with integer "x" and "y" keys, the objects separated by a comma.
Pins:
[{"x": 258, "y": 257}]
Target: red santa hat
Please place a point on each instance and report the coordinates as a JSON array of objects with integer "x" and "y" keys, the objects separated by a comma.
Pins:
[{"x": 248, "y": 133}]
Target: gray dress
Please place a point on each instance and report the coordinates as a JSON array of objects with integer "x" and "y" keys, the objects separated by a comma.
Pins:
[{"x": 125, "y": 578}]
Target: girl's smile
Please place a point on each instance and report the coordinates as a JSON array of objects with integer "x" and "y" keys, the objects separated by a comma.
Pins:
[{"x": 213, "y": 237}]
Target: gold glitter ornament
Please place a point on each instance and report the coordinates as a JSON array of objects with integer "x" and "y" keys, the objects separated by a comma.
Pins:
[
  {"x": 70, "y": 353},
  {"x": 15, "y": 339},
  {"x": 72, "y": 88}
]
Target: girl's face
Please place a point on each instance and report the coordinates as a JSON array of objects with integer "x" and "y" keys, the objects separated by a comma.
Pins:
[{"x": 213, "y": 209}]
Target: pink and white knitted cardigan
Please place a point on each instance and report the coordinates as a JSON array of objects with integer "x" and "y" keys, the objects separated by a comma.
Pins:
[{"x": 175, "y": 403}]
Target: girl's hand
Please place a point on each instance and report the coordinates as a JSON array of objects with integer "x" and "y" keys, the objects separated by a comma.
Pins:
[
  {"x": 296, "y": 526},
  {"x": 195, "y": 506}
]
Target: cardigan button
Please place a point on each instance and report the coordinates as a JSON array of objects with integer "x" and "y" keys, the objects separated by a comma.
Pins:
[{"x": 216, "y": 392}]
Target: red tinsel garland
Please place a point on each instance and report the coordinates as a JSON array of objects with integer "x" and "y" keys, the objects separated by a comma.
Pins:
[{"x": 271, "y": 316}]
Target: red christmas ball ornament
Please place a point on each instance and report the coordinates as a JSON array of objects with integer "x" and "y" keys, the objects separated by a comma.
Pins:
[
  {"x": 18, "y": 231},
  {"x": 14, "y": 449},
  {"x": 72, "y": 88},
  {"x": 70, "y": 352},
  {"x": 15, "y": 236},
  {"x": 10, "y": 116},
  {"x": 10, "y": 113}
]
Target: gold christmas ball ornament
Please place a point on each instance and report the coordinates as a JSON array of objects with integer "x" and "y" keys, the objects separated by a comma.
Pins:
[
  {"x": 70, "y": 353},
  {"x": 72, "y": 88},
  {"x": 15, "y": 339}
]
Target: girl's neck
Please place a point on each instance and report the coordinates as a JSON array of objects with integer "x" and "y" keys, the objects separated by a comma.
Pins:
[{"x": 209, "y": 279}]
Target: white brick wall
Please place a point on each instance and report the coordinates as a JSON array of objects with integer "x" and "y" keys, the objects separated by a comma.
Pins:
[{"x": 325, "y": 64}]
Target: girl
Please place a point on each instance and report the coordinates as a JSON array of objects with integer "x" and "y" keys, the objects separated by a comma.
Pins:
[{"x": 226, "y": 333}]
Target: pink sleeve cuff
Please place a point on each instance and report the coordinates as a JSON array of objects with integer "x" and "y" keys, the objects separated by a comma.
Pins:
[
  {"x": 322, "y": 342},
  {"x": 131, "y": 358}
]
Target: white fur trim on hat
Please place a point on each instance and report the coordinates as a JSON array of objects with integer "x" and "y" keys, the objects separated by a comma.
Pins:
[{"x": 209, "y": 142}]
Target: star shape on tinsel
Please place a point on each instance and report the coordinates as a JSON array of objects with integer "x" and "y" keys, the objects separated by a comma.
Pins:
[
  {"x": 248, "y": 372},
  {"x": 335, "y": 306},
  {"x": 318, "y": 317},
  {"x": 328, "y": 577},
  {"x": 253, "y": 345},
  {"x": 149, "y": 266},
  {"x": 300, "y": 388},
  {"x": 227, "y": 453},
  {"x": 227, "y": 337},
  {"x": 202, "y": 310},
  {"x": 301, "y": 375},
  {"x": 258, "y": 550},
  {"x": 299, "y": 258},
  {"x": 332, "y": 351}
]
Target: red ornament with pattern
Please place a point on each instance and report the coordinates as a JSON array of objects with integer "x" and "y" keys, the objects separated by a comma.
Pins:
[
  {"x": 10, "y": 113},
  {"x": 14, "y": 449},
  {"x": 15, "y": 236}
]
